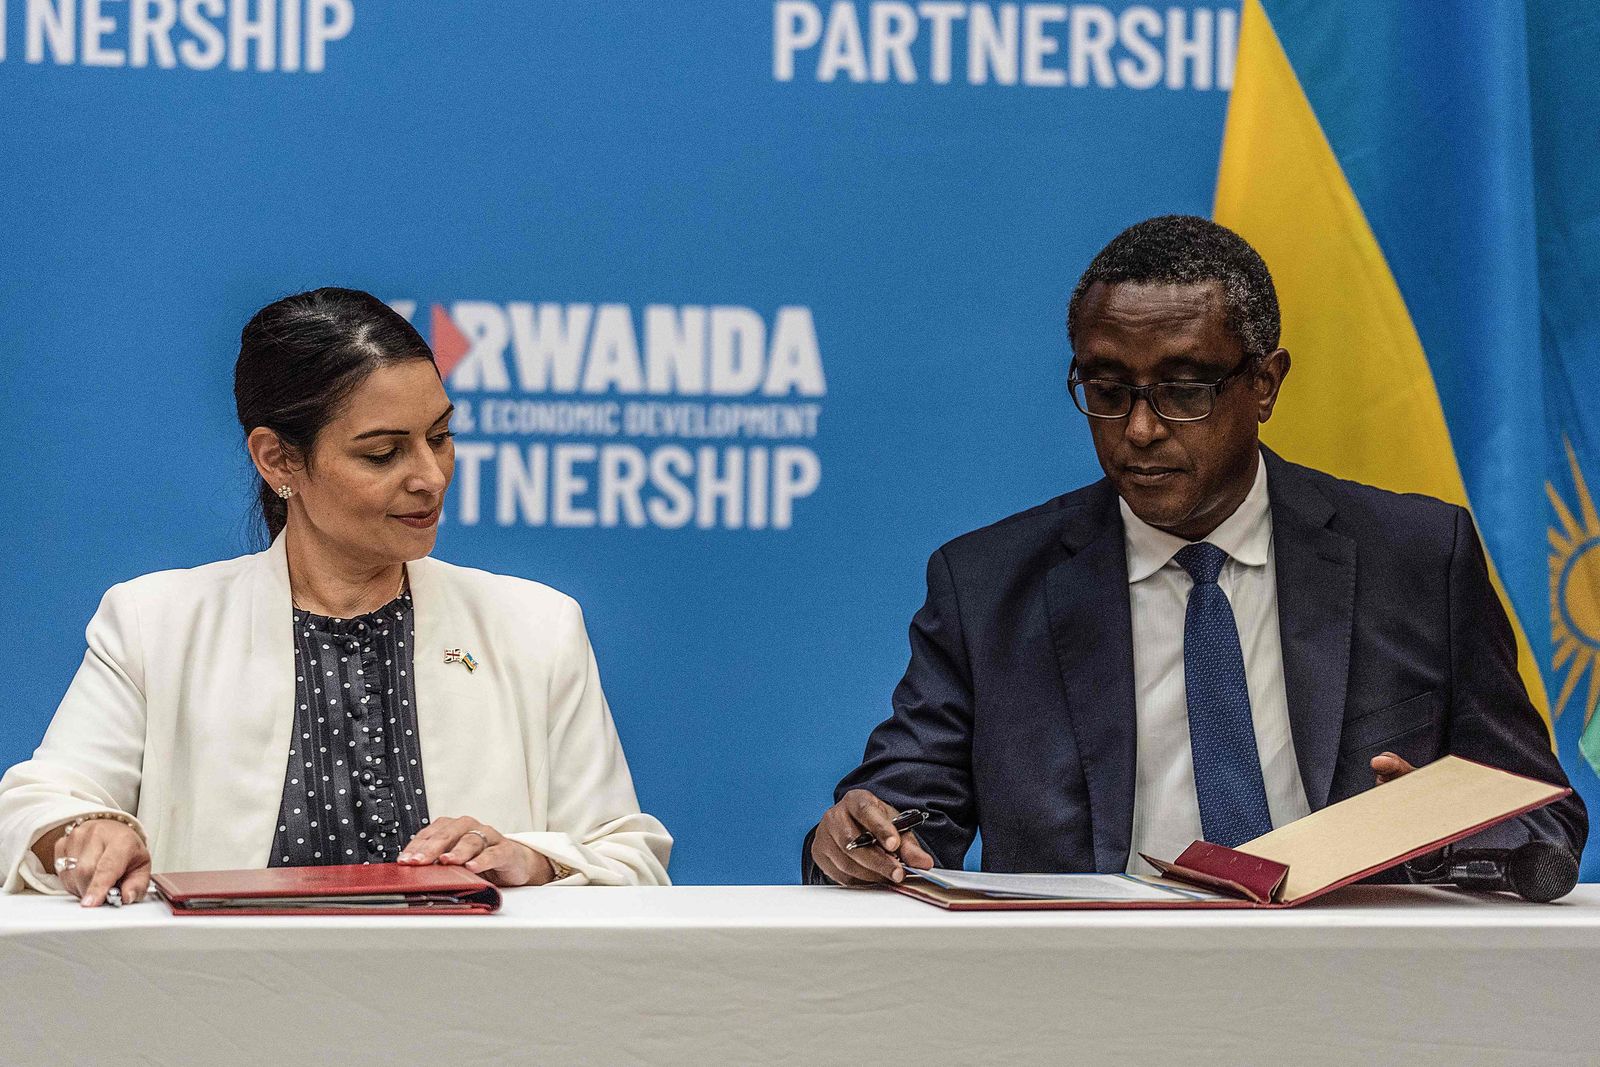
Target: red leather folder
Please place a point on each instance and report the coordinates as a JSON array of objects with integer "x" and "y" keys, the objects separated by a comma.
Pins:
[
  {"x": 1433, "y": 806},
  {"x": 1225, "y": 870},
  {"x": 365, "y": 889}
]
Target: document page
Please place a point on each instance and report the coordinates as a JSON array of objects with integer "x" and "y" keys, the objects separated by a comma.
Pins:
[{"x": 1088, "y": 887}]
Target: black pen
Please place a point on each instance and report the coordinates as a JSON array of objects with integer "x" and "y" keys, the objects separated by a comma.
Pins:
[{"x": 906, "y": 820}]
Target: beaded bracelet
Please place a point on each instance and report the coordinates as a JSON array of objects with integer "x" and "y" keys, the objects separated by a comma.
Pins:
[{"x": 114, "y": 816}]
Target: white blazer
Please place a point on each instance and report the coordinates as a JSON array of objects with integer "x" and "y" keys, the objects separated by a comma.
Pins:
[{"x": 181, "y": 714}]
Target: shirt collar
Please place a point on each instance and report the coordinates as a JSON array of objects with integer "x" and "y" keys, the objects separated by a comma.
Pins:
[{"x": 1246, "y": 535}]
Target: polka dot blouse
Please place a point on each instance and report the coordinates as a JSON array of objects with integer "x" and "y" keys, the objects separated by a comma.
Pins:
[{"x": 353, "y": 792}]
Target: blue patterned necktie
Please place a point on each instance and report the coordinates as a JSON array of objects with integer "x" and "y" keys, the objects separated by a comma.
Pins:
[{"x": 1222, "y": 737}]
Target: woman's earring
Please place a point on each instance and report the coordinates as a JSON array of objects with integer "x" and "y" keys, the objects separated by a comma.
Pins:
[{"x": 285, "y": 492}]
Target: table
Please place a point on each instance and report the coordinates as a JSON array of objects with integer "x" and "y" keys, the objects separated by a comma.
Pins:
[{"x": 813, "y": 975}]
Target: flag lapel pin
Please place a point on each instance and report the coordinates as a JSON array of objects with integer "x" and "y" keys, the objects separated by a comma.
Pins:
[{"x": 461, "y": 656}]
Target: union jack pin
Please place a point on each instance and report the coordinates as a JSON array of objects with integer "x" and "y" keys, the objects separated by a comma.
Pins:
[{"x": 456, "y": 655}]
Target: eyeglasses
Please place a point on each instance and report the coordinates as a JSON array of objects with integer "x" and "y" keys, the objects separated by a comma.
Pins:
[{"x": 1106, "y": 398}]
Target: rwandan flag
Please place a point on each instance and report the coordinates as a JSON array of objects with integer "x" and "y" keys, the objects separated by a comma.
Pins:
[{"x": 1423, "y": 181}]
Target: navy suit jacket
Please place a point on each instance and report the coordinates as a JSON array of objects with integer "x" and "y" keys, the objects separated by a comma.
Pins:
[{"x": 1016, "y": 714}]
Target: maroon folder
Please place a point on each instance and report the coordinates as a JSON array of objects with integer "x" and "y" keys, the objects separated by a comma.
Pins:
[{"x": 366, "y": 889}]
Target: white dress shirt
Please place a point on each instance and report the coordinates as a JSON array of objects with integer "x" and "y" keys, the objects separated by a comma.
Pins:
[{"x": 1166, "y": 811}]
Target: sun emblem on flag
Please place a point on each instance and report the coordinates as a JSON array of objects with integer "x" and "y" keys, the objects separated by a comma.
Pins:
[{"x": 1575, "y": 592}]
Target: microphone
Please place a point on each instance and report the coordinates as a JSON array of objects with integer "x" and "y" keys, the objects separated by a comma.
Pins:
[{"x": 1539, "y": 871}]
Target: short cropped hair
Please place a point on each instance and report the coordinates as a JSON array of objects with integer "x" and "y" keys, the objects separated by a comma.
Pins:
[{"x": 1184, "y": 250}]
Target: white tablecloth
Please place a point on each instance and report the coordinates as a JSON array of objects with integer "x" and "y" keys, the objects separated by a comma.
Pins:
[{"x": 789, "y": 974}]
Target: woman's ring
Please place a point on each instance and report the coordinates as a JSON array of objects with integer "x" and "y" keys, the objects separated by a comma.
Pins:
[
  {"x": 66, "y": 863},
  {"x": 480, "y": 833}
]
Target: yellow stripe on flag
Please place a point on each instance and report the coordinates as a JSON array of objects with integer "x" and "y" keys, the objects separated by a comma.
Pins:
[{"x": 1360, "y": 400}]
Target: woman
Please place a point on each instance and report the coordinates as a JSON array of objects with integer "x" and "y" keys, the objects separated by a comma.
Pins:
[{"x": 340, "y": 697}]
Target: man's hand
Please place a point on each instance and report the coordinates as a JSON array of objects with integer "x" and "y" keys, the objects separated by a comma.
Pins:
[
  {"x": 479, "y": 848},
  {"x": 861, "y": 812},
  {"x": 1387, "y": 766}
]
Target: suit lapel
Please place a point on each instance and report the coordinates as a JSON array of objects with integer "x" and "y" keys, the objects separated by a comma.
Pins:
[
  {"x": 432, "y": 634},
  {"x": 262, "y": 724},
  {"x": 1092, "y": 630},
  {"x": 1316, "y": 607},
  {"x": 453, "y": 703}
]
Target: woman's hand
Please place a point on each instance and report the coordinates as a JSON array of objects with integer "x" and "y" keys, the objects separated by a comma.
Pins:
[
  {"x": 480, "y": 849},
  {"x": 98, "y": 854}
]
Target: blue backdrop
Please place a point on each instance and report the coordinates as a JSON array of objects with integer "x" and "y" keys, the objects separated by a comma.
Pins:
[{"x": 752, "y": 305}]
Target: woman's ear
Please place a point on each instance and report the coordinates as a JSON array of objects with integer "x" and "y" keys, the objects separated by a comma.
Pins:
[{"x": 274, "y": 461}]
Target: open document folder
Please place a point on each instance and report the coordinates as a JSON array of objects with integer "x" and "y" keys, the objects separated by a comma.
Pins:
[{"x": 1429, "y": 808}]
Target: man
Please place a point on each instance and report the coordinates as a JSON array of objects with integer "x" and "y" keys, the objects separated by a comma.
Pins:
[{"x": 1209, "y": 642}]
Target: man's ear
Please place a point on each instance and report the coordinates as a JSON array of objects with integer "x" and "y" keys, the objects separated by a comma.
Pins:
[
  {"x": 275, "y": 462},
  {"x": 1269, "y": 379}
]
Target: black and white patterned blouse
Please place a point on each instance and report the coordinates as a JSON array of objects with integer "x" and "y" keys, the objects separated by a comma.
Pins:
[{"x": 353, "y": 792}]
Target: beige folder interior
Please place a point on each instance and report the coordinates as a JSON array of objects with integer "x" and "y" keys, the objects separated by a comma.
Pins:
[{"x": 1418, "y": 810}]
